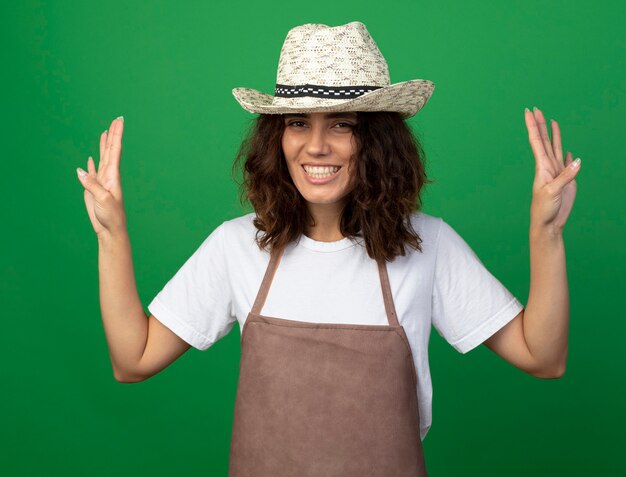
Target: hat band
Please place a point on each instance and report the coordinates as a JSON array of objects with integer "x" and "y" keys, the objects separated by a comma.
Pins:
[{"x": 286, "y": 91}]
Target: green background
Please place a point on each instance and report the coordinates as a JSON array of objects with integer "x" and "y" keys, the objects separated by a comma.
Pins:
[{"x": 70, "y": 67}]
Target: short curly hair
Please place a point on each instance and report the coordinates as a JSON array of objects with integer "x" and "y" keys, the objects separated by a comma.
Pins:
[{"x": 389, "y": 176}]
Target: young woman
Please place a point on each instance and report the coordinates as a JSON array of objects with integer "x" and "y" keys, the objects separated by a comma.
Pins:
[{"x": 337, "y": 276}]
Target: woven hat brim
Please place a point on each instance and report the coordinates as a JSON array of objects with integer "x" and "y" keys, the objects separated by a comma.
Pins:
[{"x": 407, "y": 98}]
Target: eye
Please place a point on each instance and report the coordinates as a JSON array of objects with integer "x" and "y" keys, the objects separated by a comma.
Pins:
[{"x": 299, "y": 124}]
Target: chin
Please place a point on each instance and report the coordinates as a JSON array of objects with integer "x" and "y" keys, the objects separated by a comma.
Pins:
[{"x": 323, "y": 199}]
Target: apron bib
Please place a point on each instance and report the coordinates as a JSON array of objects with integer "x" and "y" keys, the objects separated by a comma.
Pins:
[{"x": 325, "y": 399}]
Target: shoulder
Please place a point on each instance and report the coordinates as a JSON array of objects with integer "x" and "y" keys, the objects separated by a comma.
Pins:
[
  {"x": 239, "y": 235},
  {"x": 426, "y": 223},
  {"x": 242, "y": 225},
  {"x": 233, "y": 234},
  {"x": 428, "y": 227}
]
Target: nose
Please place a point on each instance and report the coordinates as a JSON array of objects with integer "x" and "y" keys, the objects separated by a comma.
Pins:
[{"x": 318, "y": 144}]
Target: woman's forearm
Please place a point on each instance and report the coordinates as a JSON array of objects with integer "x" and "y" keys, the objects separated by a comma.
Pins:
[
  {"x": 546, "y": 317},
  {"x": 125, "y": 321}
]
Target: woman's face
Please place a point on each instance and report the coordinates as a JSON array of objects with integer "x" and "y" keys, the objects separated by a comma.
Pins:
[{"x": 318, "y": 148}]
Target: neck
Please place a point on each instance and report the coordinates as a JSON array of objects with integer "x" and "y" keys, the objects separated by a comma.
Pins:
[{"x": 327, "y": 219}]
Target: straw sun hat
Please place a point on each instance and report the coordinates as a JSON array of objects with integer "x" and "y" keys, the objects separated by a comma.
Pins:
[{"x": 334, "y": 69}]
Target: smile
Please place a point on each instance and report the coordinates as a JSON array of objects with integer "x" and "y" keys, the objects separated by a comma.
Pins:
[{"x": 318, "y": 172}]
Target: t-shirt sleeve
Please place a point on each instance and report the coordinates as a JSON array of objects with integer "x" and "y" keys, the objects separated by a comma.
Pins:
[
  {"x": 469, "y": 304},
  {"x": 196, "y": 303}
]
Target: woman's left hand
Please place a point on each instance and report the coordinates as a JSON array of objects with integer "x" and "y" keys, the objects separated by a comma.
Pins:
[{"x": 554, "y": 187}]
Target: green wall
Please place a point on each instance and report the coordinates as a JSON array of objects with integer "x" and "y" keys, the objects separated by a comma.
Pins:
[{"x": 70, "y": 67}]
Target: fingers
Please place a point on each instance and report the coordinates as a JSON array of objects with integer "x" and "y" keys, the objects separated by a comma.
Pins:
[
  {"x": 556, "y": 142},
  {"x": 103, "y": 141},
  {"x": 568, "y": 173},
  {"x": 543, "y": 131},
  {"x": 91, "y": 167},
  {"x": 113, "y": 135},
  {"x": 534, "y": 137},
  {"x": 115, "y": 150},
  {"x": 90, "y": 183}
]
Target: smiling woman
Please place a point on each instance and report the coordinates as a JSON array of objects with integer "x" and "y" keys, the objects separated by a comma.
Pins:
[
  {"x": 334, "y": 175},
  {"x": 318, "y": 149},
  {"x": 337, "y": 277}
]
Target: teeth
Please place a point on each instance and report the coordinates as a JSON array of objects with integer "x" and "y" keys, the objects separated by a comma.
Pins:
[{"x": 321, "y": 172}]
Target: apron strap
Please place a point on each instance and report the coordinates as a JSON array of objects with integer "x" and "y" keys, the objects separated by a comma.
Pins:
[
  {"x": 267, "y": 281},
  {"x": 275, "y": 257},
  {"x": 390, "y": 308}
]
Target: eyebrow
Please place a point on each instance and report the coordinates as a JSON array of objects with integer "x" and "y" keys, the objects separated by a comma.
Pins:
[{"x": 327, "y": 115}]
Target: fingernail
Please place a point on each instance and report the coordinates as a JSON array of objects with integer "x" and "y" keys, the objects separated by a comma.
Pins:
[
  {"x": 105, "y": 131},
  {"x": 526, "y": 110},
  {"x": 575, "y": 163},
  {"x": 534, "y": 108},
  {"x": 81, "y": 173},
  {"x": 121, "y": 118}
]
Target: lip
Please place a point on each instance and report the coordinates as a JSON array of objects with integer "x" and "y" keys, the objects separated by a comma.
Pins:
[
  {"x": 325, "y": 180},
  {"x": 323, "y": 164}
]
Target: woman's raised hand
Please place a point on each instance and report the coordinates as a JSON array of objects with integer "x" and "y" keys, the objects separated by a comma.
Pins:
[
  {"x": 103, "y": 187},
  {"x": 554, "y": 187}
]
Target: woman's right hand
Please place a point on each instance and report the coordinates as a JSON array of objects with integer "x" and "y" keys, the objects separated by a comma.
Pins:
[{"x": 103, "y": 187}]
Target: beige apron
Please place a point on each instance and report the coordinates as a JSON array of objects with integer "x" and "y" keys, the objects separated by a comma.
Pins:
[{"x": 325, "y": 399}]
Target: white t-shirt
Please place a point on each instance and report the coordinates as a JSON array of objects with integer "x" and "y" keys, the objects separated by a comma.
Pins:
[{"x": 446, "y": 285}]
